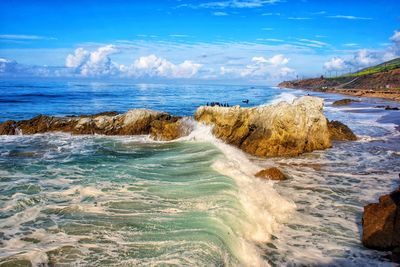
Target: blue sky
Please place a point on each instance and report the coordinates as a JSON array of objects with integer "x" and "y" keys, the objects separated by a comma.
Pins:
[{"x": 249, "y": 40}]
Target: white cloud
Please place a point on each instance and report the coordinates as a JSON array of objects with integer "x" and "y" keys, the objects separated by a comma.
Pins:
[
  {"x": 96, "y": 63},
  {"x": 7, "y": 65},
  {"x": 348, "y": 17},
  {"x": 233, "y": 4},
  {"x": 261, "y": 68},
  {"x": 335, "y": 64},
  {"x": 220, "y": 14},
  {"x": 299, "y": 18},
  {"x": 365, "y": 57},
  {"x": 24, "y": 37},
  {"x": 153, "y": 66},
  {"x": 270, "y": 14}
]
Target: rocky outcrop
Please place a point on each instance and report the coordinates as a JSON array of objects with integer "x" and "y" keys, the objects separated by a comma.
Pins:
[
  {"x": 272, "y": 173},
  {"x": 343, "y": 102},
  {"x": 340, "y": 132},
  {"x": 133, "y": 122},
  {"x": 381, "y": 224},
  {"x": 281, "y": 129}
]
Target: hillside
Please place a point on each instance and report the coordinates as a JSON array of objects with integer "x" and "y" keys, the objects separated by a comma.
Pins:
[{"x": 382, "y": 80}]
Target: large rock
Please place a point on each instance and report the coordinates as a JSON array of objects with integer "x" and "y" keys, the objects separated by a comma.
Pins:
[
  {"x": 281, "y": 129},
  {"x": 381, "y": 223},
  {"x": 133, "y": 122},
  {"x": 340, "y": 132}
]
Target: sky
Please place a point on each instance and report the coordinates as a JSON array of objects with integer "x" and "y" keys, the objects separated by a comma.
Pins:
[{"x": 248, "y": 41}]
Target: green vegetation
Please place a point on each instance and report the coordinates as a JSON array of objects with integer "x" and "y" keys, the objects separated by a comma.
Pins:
[{"x": 386, "y": 66}]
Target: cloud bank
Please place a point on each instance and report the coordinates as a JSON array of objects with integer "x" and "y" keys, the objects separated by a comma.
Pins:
[
  {"x": 212, "y": 62},
  {"x": 365, "y": 58}
]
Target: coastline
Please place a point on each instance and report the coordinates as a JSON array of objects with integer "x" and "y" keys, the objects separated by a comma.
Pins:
[{"x": 384, "y": 94}]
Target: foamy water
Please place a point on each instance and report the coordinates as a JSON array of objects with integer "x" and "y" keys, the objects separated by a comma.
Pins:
[{"x": 96, "y": 200}]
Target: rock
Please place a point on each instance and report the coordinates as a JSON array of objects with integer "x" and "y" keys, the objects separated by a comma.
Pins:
[
  {"x": 340, "y": 132},
  {"x": 391, "y": 108},
  {"x": 343, "y": 102},
  {"x": 166, "y": 129},
  {"x": 133, "y": 122},
  {"x": 272, "y": 173},
  {"x": 281, "y": 129},
  {"x": 381, "y": 223},
  {"x": 7, "y": 128}
]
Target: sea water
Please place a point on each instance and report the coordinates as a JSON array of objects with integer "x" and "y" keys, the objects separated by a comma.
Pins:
[{"x": 130, "y": 201}]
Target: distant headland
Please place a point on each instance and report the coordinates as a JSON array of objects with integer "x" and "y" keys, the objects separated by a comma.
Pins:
[{"x": 382, "y": 81}]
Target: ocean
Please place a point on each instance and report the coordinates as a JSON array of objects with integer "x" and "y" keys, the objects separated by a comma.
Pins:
[{"x": 130, "y": 201}]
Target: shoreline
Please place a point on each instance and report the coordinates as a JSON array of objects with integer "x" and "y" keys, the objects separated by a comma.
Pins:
[{"x": 384, "y": 94}]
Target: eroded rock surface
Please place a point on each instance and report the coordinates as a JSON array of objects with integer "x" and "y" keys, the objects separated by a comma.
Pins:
[
  {"x": 381, "y": 224},
  {"x": 281, "y": 129},
  {"x": 133, "y": 122},
  {"x": 272, "y": 173},
  {"x": 340, "y": 132}
]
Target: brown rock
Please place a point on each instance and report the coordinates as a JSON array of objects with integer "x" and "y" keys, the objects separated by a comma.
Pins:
[
  {"x": 133, "y": 122},
  {"x": 343, "y": 102},
  {"x": 169, "y": 129},
  {"x": 381, "y": 223},
  {"x": 7, "y": 128},
  {"x": 281, "y": 129},
  {"x": 272, "y": 173},
  {"x": 340, "y": 132}
]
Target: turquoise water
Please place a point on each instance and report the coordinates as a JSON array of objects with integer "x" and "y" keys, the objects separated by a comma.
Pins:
[{"x": 95, "y": 200}]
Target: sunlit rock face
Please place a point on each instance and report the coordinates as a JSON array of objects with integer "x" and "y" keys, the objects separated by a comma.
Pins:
[{"x": 281, "y": 129}]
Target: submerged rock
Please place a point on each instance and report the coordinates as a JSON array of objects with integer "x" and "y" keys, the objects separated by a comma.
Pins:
[
  {"x": 340, "y": 132},
  {"x": 281, "y": 129},
  {"x": 272, "y": 173},
  {"x": 343, "y": 102},
  {"x": 381, "y": 224}
]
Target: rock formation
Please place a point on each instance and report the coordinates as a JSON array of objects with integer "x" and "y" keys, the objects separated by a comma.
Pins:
[
  {"x": 133, "y": 122},
  {"x": 272, "y": 173},
  {"x": 340, "y": 132},
  {"x": 343, "y": 102},
  {"x": 281, "y": 129},
  {"x": 381, "y": 224}
]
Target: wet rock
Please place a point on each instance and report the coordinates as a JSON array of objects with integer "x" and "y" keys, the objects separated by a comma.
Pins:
[
  {"x": 381, "y": 224},
  {"x": 272, "y": 173},
  {"x": 7, "y": 128},
  {"x": 281, "y": 129},
  {"x": 391, "y": 108},
  {"x": 166, "y": 129},
  {"x": 340, "y": 132},
  {"x": 343, "y": 102},
  {"x": 133, "y": 122}
]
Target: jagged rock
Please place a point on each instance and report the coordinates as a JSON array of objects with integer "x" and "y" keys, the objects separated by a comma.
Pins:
[
  {"x": 272, "y": 173},
  {"x": 281, "y": 129},
  {"x": 381, "y": 223},
  {"x": 167, "y": 129},
  {"x": 343, "y": 102},
  {"x": 133, "y": 122},
  {"x": 340, "y": 132}
]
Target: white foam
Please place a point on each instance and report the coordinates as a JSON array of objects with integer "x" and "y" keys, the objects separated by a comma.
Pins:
[
  {"x": 283, "y": 97},
  {"x": 264, "y": 208}
]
